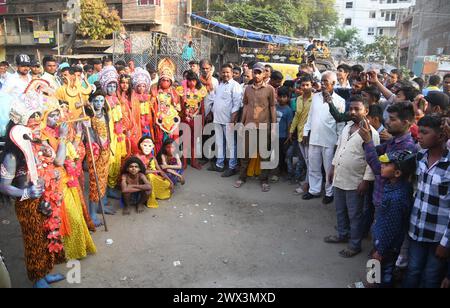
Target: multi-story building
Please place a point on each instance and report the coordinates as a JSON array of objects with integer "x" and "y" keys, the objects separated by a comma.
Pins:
[
  {"x": 372, "y": 17},
  {"x": 30, "y": 25},
  {"x": 27, "y": 26},
  {"x": 424, "y": 36}
]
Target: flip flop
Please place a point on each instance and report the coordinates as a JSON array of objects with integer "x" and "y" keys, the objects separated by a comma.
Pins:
[
  {"x": 238, "y": 184},
  {"x": 349, "y": 253},
  {"x": 265, "y": 187}
]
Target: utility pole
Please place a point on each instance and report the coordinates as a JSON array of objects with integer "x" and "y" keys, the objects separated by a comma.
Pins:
[{"x": 207, "y": 8}]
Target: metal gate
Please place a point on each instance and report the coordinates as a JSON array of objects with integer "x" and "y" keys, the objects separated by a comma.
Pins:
[{"x": 151, "y": 47}]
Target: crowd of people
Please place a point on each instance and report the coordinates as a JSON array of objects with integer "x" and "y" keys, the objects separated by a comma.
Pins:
[{"x": 376, "y": 144}]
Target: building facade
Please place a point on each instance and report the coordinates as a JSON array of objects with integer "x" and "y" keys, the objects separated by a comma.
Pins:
[
  {"x": 372, "y": 17},
  {"x": 30, "y": 25}
]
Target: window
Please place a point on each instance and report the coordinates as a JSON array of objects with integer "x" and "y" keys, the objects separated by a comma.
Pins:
[
  {"x": 371, "y": 31},
  {"x": 373, "y": 14},
  {"x": 380, "y": 31},
  {"x": 393, "y": 16},
  {"x": 382, "y": 14},
  {"x": 149, "y": 2},
  {"x": 388, "y": 16},
  {"x": 348, "y": 22},
  {"x": 349, "y": 5}
]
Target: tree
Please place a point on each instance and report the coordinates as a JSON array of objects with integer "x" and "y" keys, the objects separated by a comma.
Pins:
[
  {"x": 382, "y": 50},
  {"x": 97, "y": 21},
  {"x": 348, "y": 39},
  {"x": 282, "y": 17}
]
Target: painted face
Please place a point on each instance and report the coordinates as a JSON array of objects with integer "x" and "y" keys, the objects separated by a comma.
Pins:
[
  {"x": 165, "y": 83},
  {"x": 134, "y": 169},
  {"x": 147, "y": 146},
  {"x": 34, "y": 123},
  {"x": 111, "y": 88},
  {"x": 98, "y": 102},
  {"x": 141, "y": 89},
  {"x": 53, "y": 118}
]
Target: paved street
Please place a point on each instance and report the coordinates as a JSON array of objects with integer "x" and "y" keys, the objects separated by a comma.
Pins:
[{"x": 221, "y": 236}]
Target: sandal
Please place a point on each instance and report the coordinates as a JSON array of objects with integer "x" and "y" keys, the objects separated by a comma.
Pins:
[
  {"x": 333, "y": 239},
  {"x": 265, "y": 187},
  {"x": 238, "y": 184},
  {"x": 349, "y": 253}
]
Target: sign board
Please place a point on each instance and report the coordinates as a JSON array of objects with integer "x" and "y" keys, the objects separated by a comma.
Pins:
[{"x": 44, "y": 37}]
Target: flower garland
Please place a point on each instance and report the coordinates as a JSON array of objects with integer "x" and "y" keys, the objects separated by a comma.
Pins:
[{"x": 53, "y": 195}]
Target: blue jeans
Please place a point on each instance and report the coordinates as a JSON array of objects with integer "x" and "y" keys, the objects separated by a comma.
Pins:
[
  {"x": 225, "y": 146},
  {"x": 349, "y": 210},
  {"x": 295, "y": 171},
  {"x": 424, "y": 269}
]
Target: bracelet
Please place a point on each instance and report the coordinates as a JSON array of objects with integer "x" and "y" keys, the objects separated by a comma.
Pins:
[{"x": 25, "y": 195}]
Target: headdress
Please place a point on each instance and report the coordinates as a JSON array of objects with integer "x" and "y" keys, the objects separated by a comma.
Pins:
[
  {"x": 24, "y": 106},
  {"x": 141, "y": 76},
  {"x": 167, "y": 69},
  {"x": 107, "y": 75}
]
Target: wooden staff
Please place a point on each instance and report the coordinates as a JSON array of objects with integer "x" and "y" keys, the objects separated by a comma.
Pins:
[{"x": 88, "y": 134}]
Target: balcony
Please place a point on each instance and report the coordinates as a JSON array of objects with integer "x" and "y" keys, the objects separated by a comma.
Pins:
[
  {"x": 24, "y": 39},
  {"x": 381, "y": 23},
  {"x": 133, "y": 14}
]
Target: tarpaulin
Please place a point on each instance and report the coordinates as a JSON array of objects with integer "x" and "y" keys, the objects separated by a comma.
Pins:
[{"x": 251, "y": 35}]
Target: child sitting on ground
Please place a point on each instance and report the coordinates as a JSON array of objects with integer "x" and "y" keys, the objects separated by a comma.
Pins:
[
  {"x": 136, "y": 189},
  {"x": 171, "y": 162}
]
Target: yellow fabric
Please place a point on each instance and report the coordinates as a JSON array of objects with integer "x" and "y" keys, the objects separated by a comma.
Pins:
[
  {"x": 145, "y": 108},
  {"x": 78, "y": 244},
  {"x": 254, "y": 167},
  {"x": 160, "y": 187},
  {"x": 118, "y": 149},
  {"x": 301, "y": 116},
  {"x": 61, "y": 94}
]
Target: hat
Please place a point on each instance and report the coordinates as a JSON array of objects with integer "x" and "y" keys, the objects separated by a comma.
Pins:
[
  {"x": 106, "y": 76},
  {"x": 259, "y": 67},
  {"x": 24, "y": 106},
  {"x": 23, "y": 60},
  {"x": 399, "y": 158},
  {"x": 35, "y": 63},
  {"x": 141, "y": 76}
]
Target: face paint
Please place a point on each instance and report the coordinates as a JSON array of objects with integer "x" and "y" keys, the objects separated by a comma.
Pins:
[
  {"x": 111, "y": 88},
  {"x": 99, "y": 102},
  {"x": 141, "y": 89},
  {"x": 53, "y": 118},
  {"x": 165, "y": 83},
  {"x": 147, "y": 146}
]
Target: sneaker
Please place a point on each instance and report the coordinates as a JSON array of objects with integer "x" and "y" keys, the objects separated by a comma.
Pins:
[
  {"x": 299, "y": 191},
  {"x": 229, "y": 173},
  {"x": 309, "y": 196},
  {"x": 327, "y": 200}
]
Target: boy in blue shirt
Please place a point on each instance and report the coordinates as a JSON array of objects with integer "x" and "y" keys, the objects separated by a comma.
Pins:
[
  {"x": 392, "y": 219},
  {"x": 285, "y": 116}
]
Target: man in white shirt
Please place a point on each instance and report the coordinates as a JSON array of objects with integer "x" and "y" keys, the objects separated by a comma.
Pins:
[
  {"x": 343, "y": 72},
  {"x": 227, "y": 102},
  {"x": 321, "y": 132},
  {"x": 351, "y": 176},
  {"x": 50, "y": 68},
  {"x": 18, "y": 82},
  {"x": 4, "y": 74}
]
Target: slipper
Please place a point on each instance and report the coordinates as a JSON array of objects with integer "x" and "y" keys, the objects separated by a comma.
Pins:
[
  {"x": 333, "y": 239},
  {"x": 238, "y": 184},
  {"x": 265, "y": 187},
  {"x": 349, "y": 253}
]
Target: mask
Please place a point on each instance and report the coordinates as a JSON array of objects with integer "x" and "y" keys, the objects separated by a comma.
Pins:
[
  {"x": 147, "y": 147},
  {"x": 165, "y": 84}
]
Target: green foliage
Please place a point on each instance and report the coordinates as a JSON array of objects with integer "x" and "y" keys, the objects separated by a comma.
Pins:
[
  {"x": 283, "y": 17},
  {"x": 382, "y": 50},
  {"x": 97, "y": 21},
  {"x": 348, "y": 39}
]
